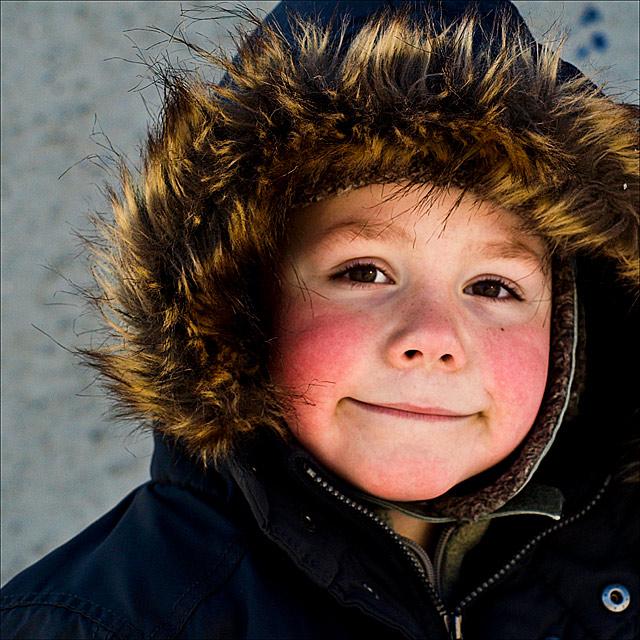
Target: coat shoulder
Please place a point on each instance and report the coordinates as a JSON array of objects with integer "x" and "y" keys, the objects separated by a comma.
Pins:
[{"x": 140, "y": 571}]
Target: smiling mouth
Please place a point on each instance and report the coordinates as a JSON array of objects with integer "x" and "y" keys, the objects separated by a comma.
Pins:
[{"x": 429, "y": 414}]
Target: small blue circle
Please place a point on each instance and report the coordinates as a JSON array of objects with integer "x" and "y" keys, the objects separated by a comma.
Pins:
[
  {"x": 599, "y": 41},
  {"x": 582, "y": 52},
  {"x": 590, "y": 15}
]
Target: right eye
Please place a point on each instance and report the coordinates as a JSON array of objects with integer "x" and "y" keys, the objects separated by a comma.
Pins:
[
  {"x": 362, "y": 273},
  {"x": 493, "y": 288}
]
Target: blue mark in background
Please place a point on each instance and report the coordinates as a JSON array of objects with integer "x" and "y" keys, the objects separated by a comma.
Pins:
[
  {"x": 598, "y": 40},
  {"x": 590, "y": 15},
  {"x": 582, "y": 52}
]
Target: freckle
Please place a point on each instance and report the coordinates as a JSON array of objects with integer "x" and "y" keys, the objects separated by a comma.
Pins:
[{"x": 501, "y": 328}]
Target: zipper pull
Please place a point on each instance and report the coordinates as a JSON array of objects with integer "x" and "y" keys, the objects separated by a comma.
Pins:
[{"x": 455, "y": 628}]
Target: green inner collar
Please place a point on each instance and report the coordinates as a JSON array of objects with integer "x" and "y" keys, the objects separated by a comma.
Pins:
[{"x": 534, "y": 499}]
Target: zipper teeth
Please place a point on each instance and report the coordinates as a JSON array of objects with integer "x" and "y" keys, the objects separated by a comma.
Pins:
[
  {"x": 456, "y": 631},
  {"x": 543, "y": 534},
  {"x": 442, "y": 610},
  {"x": 437, "y": 556},
  {"x": 422, "y": 555}
]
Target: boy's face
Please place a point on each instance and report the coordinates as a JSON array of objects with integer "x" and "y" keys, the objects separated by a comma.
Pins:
[{"x": 420, "y": 349}]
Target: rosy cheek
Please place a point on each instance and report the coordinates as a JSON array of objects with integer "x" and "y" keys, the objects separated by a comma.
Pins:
[
  {"x": 319, "y": 348},
  {"x": 517, "y": 362}
]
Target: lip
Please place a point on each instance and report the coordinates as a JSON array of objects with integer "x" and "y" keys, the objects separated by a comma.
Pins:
[{"x": 404, "y": 410}]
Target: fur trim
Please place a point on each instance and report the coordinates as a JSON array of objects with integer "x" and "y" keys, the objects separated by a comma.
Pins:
[{"x": 178, "y": 270}]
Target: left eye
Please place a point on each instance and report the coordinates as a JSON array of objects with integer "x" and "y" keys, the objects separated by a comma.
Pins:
[
  {"x": 490, "y": 288},
  {"x": 362, "y": 273}
]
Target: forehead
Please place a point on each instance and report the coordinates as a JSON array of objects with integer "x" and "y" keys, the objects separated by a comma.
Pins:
[{"x": 375, "y": 213}]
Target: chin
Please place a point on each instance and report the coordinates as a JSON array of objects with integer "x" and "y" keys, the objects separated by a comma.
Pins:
[{"x": 408, "y": 491}]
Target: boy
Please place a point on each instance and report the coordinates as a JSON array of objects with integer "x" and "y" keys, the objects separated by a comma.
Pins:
[{"x": 375, "y": 298}]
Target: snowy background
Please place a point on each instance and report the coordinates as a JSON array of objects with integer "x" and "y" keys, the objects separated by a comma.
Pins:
[{"x": 66, "y": 90}]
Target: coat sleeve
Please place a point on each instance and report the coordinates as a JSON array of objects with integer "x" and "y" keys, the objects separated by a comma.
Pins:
[{"x": 51, "y": 618}]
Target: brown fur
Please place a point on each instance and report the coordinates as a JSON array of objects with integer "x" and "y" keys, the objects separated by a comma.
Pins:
[{"x": 178, "y": 269}]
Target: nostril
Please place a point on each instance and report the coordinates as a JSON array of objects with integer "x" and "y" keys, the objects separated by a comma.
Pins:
[
  {"x": 411, "y": 353},
  {"x": 447, "y": 357}
]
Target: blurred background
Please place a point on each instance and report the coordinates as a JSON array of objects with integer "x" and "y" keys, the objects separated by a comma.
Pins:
[{"x": 73, "y": 87}]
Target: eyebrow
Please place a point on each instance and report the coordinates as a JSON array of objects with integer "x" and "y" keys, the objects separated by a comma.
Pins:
[
  {"x": 366, "y": 229},
  {"x": 511, "y": 249}
]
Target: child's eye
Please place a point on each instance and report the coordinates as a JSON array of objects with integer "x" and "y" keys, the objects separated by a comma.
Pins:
[
  {"x": 493, "y": 288},
  {"x": 363, "y": 273}
]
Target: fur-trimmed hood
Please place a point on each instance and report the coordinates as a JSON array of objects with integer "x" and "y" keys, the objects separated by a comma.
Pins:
[{"x": 379, "y": 90}]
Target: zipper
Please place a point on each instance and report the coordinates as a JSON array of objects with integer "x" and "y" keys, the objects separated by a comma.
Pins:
[
  {"x": 438, "y": 556},
  {"x": 433, "y": 567},
  {"x": 424, "y": 559},
  {"x": 452, "y": 620},
  {"x": 415, "y": 562},
  {"x": 457, "y": 613}
]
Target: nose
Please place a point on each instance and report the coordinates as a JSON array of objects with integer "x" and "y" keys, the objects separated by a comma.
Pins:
[{"x": 426, "y": 336}]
